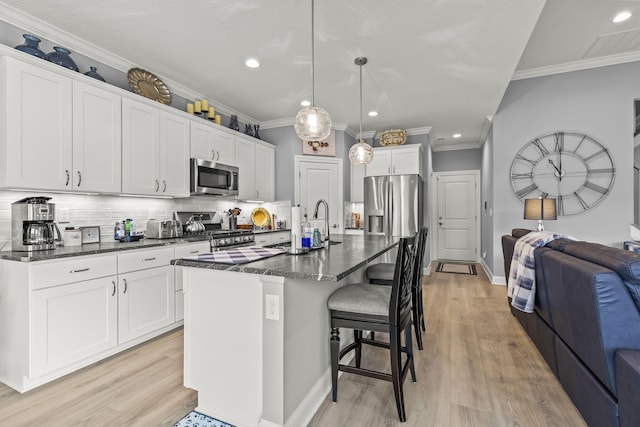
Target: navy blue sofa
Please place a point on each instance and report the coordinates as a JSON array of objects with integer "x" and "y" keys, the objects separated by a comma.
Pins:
[{"x": 586, "y": 325}]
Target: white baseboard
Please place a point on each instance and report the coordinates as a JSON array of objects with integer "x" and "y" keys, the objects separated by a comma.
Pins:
[{"x": 495, "y": 280}]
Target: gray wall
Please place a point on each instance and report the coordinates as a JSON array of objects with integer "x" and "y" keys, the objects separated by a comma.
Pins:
[
  {"x": 598, "y": 101},
  {"x": 457, "y": 160}
]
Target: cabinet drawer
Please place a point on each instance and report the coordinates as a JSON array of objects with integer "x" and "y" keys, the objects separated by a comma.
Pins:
[
  {"x": 140, "y": 260},
  {"x": 192, "y": 249},
  {"x": 281, "y": 237},
  {"x": 52, "y": 273},
  {"x": 262, "y": 239}
]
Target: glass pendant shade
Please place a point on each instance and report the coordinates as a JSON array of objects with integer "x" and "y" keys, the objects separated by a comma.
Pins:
[
  {"x": 361, "y": 153},
  {"x": 313, "y": 124}
]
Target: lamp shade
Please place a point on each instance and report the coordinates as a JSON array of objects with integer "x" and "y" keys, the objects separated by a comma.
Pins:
[
  {"x": 313, "y": 124},
  {"x": 540, "y": 209},
  {"x": 361, "y": 153}
]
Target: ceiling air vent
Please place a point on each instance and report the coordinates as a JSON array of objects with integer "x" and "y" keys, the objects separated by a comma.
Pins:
[{"x": 609, "y": 44}]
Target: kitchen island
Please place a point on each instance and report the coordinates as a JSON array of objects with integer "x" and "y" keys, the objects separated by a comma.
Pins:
[{"x": 257, "y": 334}]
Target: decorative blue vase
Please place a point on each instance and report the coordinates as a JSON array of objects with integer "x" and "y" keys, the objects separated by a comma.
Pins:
[
  {"x": 30, "y": 46},
  {"x": 233, "y": 124},
  {"x": 94, "y": 74},
  {"x": 61, "y": 57}
]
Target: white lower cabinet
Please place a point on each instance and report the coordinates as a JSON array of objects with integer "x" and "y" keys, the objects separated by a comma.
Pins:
[
  {"x": 57, "y": 316},
  {"x": 72, "y": 322},
  {"x": 146, "y": 302},
  {"x": 182, "y": 251}
]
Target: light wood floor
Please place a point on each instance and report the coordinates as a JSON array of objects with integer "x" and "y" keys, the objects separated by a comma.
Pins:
[{"x": 478, "y": 368}]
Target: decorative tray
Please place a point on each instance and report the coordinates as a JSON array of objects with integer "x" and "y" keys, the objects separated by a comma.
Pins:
[
  {"x": 148, "y": 85},
  {"x": 393, "y": 137},
  {"x": 260, "y": 217}
]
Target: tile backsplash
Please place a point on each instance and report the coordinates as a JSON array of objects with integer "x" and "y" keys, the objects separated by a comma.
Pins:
[{"x": 77, "y": 210}]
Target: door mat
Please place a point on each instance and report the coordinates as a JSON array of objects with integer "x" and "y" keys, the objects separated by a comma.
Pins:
[
  {"x": 457, "y": 268},
  {"x": 193, "y": 419}
]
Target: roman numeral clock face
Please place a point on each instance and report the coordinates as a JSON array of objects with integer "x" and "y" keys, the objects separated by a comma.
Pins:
[{"x": 572, "y": 167}]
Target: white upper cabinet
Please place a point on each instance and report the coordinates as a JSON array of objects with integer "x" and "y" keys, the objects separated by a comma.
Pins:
[
  {"x": 246, "y": 162},
  {"x": 209, "y": 143},
  {"x": 174, "y": 155},
  {"x": 37, "y": 138},
  {"x": 60, "y": 134},
  {"x": 406, "y": 160},
  {"x": 256, "y": 162},
  {"x": 265, "y": 172},
  {"x": 97, "y": 136},
  {"x": 155, "y": 151},
  {"x": 140, "y": 148}
]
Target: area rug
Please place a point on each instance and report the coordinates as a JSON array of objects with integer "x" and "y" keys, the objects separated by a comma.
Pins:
[
  {"x": 196, "y": 419},
  {"x": 457, "y": 268}
]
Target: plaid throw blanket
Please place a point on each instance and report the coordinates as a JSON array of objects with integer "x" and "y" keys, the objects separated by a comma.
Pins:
[
  {"x": 240, "y": 255},
  {"x": 522, "y": 274}
]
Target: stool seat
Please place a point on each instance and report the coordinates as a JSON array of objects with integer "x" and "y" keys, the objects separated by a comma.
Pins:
[
  {"x": 361, "y": 298},
  {"x": 381, "y": 272}
]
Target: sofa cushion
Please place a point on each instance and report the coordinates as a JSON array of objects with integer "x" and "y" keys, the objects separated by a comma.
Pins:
[{"x": 625, "y": 263}]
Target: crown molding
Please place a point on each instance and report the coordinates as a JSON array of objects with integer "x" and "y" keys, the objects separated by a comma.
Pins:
[
  {"x": 486, "y": 127},
  {"x": 454, "y": 147},
  {"x": 54, "y": 34},
  {"x": 577, "y": 65}
]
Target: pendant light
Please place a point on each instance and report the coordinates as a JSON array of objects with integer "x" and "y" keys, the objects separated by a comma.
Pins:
[
  {"x": 313, "y": 123},
  {"x": 361, "y": 153}
]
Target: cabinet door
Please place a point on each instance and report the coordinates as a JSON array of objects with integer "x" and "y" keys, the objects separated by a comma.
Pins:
[
  {"x": 246, "y": 161},
  {"x": 265, "y": 172},
  {"x": 38, "y": 127},
  {"x": 202, "y": 141},
  {"x": 406, "y": 161},
  {"x": 140, "y": 148},
  {"x": 357, "y": 183},
  {"x": 97, "y": 136},
  {"x": 72, "y": 322},
  {"x": 380, "y": 165},
  {"x": 146, "y": 302},
  {"x": 224, "y": 146},
  {"x": 174, "y": 155}
]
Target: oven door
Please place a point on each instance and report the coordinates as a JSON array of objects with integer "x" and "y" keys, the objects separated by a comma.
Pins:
[{"x": 213, "y": 178}]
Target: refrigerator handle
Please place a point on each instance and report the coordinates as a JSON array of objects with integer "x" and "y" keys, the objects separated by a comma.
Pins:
[{"x": 389, "y": 213}]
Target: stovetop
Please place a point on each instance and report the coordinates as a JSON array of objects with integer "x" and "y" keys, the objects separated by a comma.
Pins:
[{"x": 217, "y": 232}]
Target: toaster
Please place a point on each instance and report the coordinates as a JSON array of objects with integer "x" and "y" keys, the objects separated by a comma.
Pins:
[{"x": 163, "y": 229}]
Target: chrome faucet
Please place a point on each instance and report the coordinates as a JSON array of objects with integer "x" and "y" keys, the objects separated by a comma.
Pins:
[{"x": 326, "y": 218}]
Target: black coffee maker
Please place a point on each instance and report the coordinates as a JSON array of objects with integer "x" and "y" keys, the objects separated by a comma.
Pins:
[{"x": 33, "y": 225}]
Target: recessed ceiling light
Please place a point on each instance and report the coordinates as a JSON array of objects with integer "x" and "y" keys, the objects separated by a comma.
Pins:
[
  {"x": 305, "y": 103},
  {"x": 457, "y": 135},
  {"x": 252, "y": 63},
  {"x": 373, "y": 113},
  {"x": 622, "y": 16}
]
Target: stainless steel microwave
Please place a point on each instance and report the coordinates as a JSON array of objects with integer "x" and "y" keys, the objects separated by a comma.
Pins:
[{"x": 211, "y": 178}]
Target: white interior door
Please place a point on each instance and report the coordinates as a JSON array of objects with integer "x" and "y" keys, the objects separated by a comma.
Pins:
[
  {"x": 320, "y": 179},
  {"x": 457, "y": 215}
]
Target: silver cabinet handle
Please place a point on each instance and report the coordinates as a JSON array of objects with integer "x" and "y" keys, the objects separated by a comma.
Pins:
[
  {"x": 194, "y": 252},
  {"x": 125, "y": 286},
  {"x": 389, "y": 169},
  {"x": 213, "y": 154},
  {"x": 157, "y": 185},
  {"x": 80, "y": 270},
  {"x": 66, "y": 171},
  {"x": 149, "y": 259},
  {"x": 257, "y": 194},
  {"x": 79, "y": 178},
  {"x": 114, "y": 287},
  {"x": 217, "y": 155},
  {"x": 164, "y": 185}
]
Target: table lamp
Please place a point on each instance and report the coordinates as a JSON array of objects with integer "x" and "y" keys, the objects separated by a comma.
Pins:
[{"x": 540, "y": 209}]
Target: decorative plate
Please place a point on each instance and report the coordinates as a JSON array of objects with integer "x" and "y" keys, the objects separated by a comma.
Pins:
[
  {"x": 393, "y": 137},
  {"x": 148, "y": 85},
  {"x": 260, "y": 217}
]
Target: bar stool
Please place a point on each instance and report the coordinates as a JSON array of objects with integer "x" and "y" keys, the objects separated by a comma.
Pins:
[
  {"x": 367, "y": 307},
  {"x": 382, "y": 274}
]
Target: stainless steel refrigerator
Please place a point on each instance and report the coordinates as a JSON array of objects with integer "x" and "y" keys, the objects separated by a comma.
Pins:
[{"x": 393, "y": 205}]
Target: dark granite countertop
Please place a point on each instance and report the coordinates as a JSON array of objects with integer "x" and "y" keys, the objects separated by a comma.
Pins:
[
  {"x": 96, "y": 248},
  {"x": 331, "y": 264}
]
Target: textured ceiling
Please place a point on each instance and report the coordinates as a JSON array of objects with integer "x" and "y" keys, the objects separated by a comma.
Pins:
[{"x": 443, "y": 64}]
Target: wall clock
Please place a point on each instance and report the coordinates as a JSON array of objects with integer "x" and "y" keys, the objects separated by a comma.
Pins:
[{"x": 572, "y": 167}]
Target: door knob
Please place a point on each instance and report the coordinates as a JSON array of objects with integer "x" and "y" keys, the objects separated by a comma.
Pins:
[
  {"x": 334, "y": 226},
  {"x": 439, "y": 223}
]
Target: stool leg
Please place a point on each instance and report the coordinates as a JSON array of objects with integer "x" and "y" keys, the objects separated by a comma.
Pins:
[
  {"x": 357, "y": 338},
  {"x": 335, "y": 354},
  {"x": 415, "y": 315},
  {"x": 409, "y": 346},
  {"x": 396, "y": 370}
]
